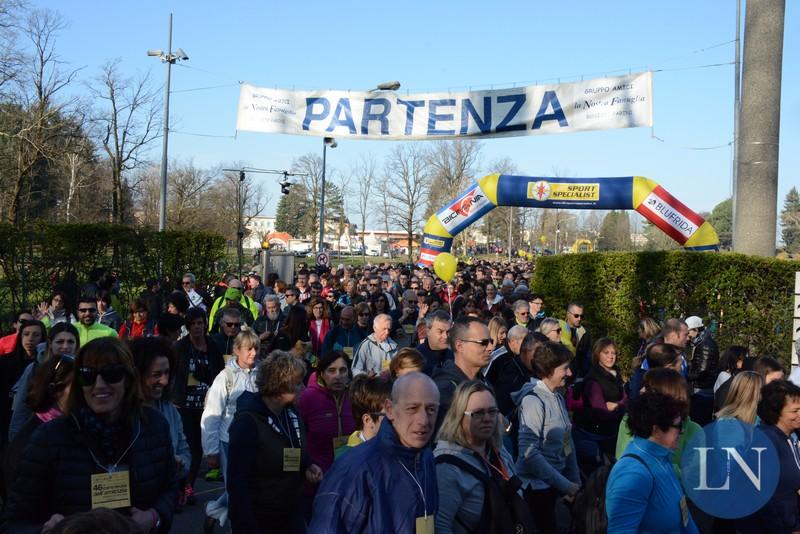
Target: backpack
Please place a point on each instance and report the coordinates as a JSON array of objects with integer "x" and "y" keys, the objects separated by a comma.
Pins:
[
  {"x": 504, "y": 511},
  {"x": 513, "y": 424},
  {"x": 589, "y": 508}
]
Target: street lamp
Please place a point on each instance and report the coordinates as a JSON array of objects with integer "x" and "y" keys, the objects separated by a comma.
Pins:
[
  {"x": 326, "y": 142},
  {"x": 169, "y": 58}
]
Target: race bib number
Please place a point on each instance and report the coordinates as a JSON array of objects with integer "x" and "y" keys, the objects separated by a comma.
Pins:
[
  {"x": 409, "y": 328},
  {"x": 291, "y": 459},
  {"x": 425, "y": 525},
  {"x": 385, "y": 365},
  {"x": 111, "y": 490},
  {"x": 192, "y": 381},
  {"x": 348, "y": 351},
  {"x": 227, "y": 358}
]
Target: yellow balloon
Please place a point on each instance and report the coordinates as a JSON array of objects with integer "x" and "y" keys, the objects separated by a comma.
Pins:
[
  {"x": 445, "y": 266},
  {"x": 529, "y": 256},
  {"x": 521, "y": 253}
]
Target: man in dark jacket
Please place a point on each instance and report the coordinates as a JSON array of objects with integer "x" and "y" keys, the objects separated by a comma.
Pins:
[
  {"x": 472, "y": 348},
  {"x": 345, "y": 336},
  {"x": 435, "y": 349},
  {"x": 502, "y": 355},
  {"x": 388, "y": 483},
  {"x": 703, "y": 356},
  {"x": 515, "y": 371}
]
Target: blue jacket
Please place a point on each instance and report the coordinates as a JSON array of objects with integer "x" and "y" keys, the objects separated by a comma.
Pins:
[
  {"x": 780, "y": 514},
  {"x": 338, "y": 338},
  {"x": 647, "y": 498},
  {"x": 379, "y": 486}
]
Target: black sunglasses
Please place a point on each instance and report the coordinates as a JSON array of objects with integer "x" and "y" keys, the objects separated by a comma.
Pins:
[
  {"x": 111, "y": 374},
  {"x": 231, "y": 325},
  {"x": 482, "y": 342}
]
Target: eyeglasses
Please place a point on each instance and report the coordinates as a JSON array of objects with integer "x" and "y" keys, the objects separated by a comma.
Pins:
[
  {"x": 87, "y": 310},
  {"x": 231, "y": 325},
  {"x": 290, "y": 295},
  {"x": 482, "y": 342},
  {"x": 576, "y": 315},
  {"x": 537, "y": 302},
  {"x": 363, "y": 314},
  {"x": 524, "y": 314},
  {"x": 112, "y": 374},
  {"x": 480, "y": 414},
  {"x": 186, "y": 283},
  {"x": 377, "y": 415},
  {"x": 557, "y": 330},
  {"x": 373, "y": 285}
]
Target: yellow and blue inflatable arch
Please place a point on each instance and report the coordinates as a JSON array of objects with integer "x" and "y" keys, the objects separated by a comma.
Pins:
[{"x": 651, "y": 200}]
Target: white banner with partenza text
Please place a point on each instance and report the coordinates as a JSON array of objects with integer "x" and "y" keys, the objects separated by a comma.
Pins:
[{"x": 597, "y": 104}]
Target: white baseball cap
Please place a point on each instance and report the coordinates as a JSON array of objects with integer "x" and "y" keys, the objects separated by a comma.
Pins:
[{"x": 694, "y": 322}]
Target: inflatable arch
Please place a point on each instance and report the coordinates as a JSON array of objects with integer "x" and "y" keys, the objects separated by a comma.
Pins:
[{"x": 651, "y": 200}]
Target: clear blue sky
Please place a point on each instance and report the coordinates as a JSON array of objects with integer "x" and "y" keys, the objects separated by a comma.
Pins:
[{"x": 440, "y": 45}]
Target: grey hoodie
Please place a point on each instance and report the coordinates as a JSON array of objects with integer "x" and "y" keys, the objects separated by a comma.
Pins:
[
  {"x": 461, "y": 494},
  {"x": 545, "y": 439}
]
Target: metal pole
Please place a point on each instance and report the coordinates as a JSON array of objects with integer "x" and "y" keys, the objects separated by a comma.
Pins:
[
  {"x": 162, "y": 214},
  {"x": 240, "y": 231},
  {"x": 320, "y": 248}
]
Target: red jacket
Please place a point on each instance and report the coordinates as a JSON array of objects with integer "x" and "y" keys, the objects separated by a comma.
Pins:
[
  {"x": 318, "y": 337},
  {"x": 324, "y": 420},
  {"x": 137, "y": 329}
]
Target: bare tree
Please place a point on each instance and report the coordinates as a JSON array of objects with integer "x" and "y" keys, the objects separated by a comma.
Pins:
[
  {"x": 408, "y": 177},
  {"x": 41, "y": 120},
  {"x": 188, "y": 186},
  {"x": 386, "y": 204},
  {"x": 10, "y": 58},
  {"x": 364, "y": 174},
  {"x": 126, "y": 121},
  {"x": 454, "y": 164},
  {"x": 311, "y": 167}
]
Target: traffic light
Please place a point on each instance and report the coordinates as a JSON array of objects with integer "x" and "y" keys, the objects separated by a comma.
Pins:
[{"x": 285, "y": 187}]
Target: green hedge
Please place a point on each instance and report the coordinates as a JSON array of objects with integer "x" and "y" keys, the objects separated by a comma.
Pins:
[
  {"x": 41, "y": 257},
  {"x": 750, "y": 298}
]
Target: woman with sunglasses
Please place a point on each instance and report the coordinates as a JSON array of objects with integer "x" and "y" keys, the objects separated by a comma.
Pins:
[
  {"x": 547, "y": 463},
  {"x": 44, "y": 401},
  {"x": 110, "y": 451},
  {"x": 62, "y": 340},
  {"x": 470, "y": 458},
  {"x": 643, "y": 493},
  {"x": 12, "y": 365},
  {"x": 551, "y": 328},
  {"x": 363, "y": 319},
  {"x": 155, "y": 362}
]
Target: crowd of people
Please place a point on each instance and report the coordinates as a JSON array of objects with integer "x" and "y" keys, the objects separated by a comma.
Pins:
[{"x": 371, "y": 399}]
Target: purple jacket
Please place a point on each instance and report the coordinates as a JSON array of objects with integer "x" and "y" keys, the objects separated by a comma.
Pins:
[{"x": 324, "y": 420}]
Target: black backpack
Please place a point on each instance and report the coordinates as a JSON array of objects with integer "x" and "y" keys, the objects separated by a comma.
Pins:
[
  {"x": 504, "y": 511},
  {"x": 589, "y": 508}
]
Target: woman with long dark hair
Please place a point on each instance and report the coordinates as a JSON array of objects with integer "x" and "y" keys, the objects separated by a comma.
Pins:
[
  {"x": 109, "y": 452},
  {"x": 62, "y": 340},
  {"x": 56, "y": 310},
  {"x": 31, "y": 334}
]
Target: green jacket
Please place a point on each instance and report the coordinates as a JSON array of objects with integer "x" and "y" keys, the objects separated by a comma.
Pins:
[
  {"x": 246, "y": 302},
  {"x": 88, "y": 333}
]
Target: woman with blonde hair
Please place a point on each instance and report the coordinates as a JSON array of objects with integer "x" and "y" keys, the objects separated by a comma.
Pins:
[
  {"x": 551, "y": 328},
  {"x": 743, "y": 397},
  {"x": 469, "y": 457},
  {"x": 648, "y": 328},
  {"x": 498, "y": 331}
]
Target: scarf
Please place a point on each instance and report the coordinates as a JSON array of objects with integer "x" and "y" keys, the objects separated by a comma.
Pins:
[{"x": 108, "y": 438}]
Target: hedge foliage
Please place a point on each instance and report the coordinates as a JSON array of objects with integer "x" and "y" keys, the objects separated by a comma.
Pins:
[
  {"x": 40, "y": 258},
  {"x": 750, "y": 298}
]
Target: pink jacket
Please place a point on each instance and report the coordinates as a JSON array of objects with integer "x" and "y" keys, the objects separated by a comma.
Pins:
[{"x": 324, "y": 420}]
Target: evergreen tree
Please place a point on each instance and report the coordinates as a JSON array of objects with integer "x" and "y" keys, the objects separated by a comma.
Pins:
[
  {"x": 615, "y": 232},
  {"x": 790, "y": 221},
  {"x": 722, "y": 220},
  {"x": 290, "y": 215}
]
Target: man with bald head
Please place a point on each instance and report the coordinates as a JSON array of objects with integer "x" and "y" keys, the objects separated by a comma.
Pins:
[{"x": 387, "y": 484}]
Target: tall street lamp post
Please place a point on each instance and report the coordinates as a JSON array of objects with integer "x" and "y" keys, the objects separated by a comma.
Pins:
[{"x": 169, "y": 58}]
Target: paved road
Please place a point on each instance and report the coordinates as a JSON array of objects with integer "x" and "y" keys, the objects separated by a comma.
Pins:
[{"x": 190, "y": 520}]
